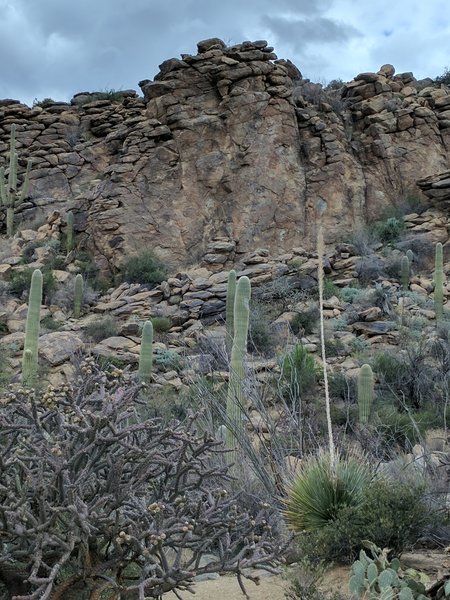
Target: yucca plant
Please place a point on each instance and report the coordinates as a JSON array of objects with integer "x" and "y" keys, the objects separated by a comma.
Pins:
[{"x": 321, "y": 489}]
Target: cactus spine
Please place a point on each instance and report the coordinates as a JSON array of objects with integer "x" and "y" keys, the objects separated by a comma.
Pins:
[
  {"x": 146, "y": 355},
  {"x": 78, "y": 296},
  {"x": 439, "y": 283},
  {"x": 365, "y": 393},
  {"x": 69, "y": 232},
  {"x": 10, "y": 196},
  {"x": 405, "y": 272},
  {"x": 235, "y": 396},
  {"x": 229, "y": 312},
  {"x": 30, "y": 351}
]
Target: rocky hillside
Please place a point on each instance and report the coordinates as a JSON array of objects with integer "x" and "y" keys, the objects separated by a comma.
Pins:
[{"x": 228, "y": 151}]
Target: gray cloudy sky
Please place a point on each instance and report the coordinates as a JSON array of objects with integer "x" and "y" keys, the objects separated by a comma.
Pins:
[{"x": 55, "y": 48}]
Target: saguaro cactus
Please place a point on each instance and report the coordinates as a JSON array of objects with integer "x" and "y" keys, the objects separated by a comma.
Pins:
[
  {"x": 235, "y": 396},
  {"x": 10, "y": 196},
  {"x": 30, "y": 350},
  {"x": 69, "y": 232},
  {"x": 229, "y": 311},
  {"x": 78, "y": 296},
  {"x": 439, "y": 282},
  {"x": 405, "y": 272},
  {"x": 365, "y": 393},
  {"x": 146, "y": 355}
]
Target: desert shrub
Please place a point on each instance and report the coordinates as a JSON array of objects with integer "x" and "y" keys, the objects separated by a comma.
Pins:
[
  {"x": 44, "y": 103},
  {"x": 405, "y": 429},
  {"x": 19, "y": 282},
  {"x": 305, "y": 582},
  {"x": 168, "y": 360},
  {"x": 389, "y": 230},
  {"x": 330, "y": 289},
  {"x": 104, "y": 499},
  {"x": 260, "y": 337},
  {"x": 443, "y": 79},
  {"x": 299, "y": 372},
  {"x": 102, "y": 328},
  {"x": 145, "y": 268},
  {"x": 321, "y": 490},
  {"x": 369, "y": 268},
  {"x": 161, "y": 324},
  {"x": 363, "y": 241},
  {"x": 51, "y": 324},
  {"x": 334, "y": 347},
  {"x": 349, "y": 294},
  {"x": 305, "y": 322},
  {"x": 394, "y": 513}
]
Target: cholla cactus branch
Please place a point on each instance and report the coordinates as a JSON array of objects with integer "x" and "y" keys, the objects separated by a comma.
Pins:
[{"x": 89, "y": 486}]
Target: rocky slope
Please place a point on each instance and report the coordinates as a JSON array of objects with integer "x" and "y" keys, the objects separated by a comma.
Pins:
[{"x": 227, "y": 151}]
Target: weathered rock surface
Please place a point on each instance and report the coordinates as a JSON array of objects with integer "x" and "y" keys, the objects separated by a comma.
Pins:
[{"x": 229, "y": 150}]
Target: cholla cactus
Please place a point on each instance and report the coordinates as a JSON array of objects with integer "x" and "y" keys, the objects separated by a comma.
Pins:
[
  {"x": 10, "y": 195},
  {"x": 365, "y": 393},
  {"x": 30, "y": 350}
]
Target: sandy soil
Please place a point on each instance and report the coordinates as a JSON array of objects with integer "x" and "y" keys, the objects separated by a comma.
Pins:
[{"x": 272, "y": 588}]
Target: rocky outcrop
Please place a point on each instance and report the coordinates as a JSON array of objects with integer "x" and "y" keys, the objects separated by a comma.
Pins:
[{"x": 228, "y": 151}]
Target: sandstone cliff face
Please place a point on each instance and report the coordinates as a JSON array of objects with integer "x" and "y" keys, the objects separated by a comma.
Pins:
[{"x": 228, "y": 151}]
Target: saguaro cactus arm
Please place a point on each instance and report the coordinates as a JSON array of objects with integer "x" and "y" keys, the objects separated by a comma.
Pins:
[
  {"x": 229, "y": 312},
  {"x": 146, "y": 355},
  {"x": 365, "y": 393}
]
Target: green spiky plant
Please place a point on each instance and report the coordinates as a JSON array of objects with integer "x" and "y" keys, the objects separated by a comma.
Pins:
[
  {"x": 78, "y": 296},
  {"x": 70, "y": 240},
  {"x": 30, "y": 350},
  {"x": 405, "y": 268},
  {"x": 10, "y": 195},
  {"x": 229, "y": 312},
  {"x": 439, "y": 282},
  {"x": 410, "y": 255},
  {"x": 146, "y": 354},
  {"x": 365, "y": 393},
  {"x": 235, "y": 395}
]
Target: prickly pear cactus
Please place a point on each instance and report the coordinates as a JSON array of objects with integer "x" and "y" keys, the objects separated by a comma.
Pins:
[{"x": 378, "y": 578}]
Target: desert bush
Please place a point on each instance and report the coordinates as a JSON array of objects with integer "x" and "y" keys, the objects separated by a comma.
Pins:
[
  {"x": 444, "y": 78},
  {"x": 395, "y": 513},
  {"x": 334, "y": 347},
  {"x": 330, "y": 289},
  {"x": 349, "y": 294},
  {"x": 321, "y": 490},
  {"x": 363, "y": 241},
  {"x": 260, "y": 337},
  {"x": 389, "y": 230},
  {"x": 98, "y": 501},
  {"x": 305, "y": 582},
  {"x": 161, "y": 324},
  {"x": 369, "y": 268},
  {"x": 305, "y": 322},
  {"x": 145, "y": 268},
  {"x": 168, "y": 360},
  {"x": 19, "y": 282},
  {"x": 102, "y": 328},
  {"x": 299, "y": 372}
]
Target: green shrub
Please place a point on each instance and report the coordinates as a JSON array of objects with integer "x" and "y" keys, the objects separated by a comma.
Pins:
[
  {"x": 406, "y": 428},
  {"x": 390, "y": 229},
  {"x": 161, "y": 324},
  {"x": 144, "y": 268},
  {"x": 20, "y": 281},
  {"x": 443, "y": 79},
  {"x": 260, "y": 337},
  {"x": 102, "y": 328},
  {"x": 390, "y": 513},
  {"x": 168, "y": 360},
  {"x": 330, "y": 289},
  {"x": 319, "y": 493},
  {"x": 306, "y": 321},
  {"x": 334, "y": 347},
  {"x": 298, "y": 372},
  {"x": 348, "y": 294}
]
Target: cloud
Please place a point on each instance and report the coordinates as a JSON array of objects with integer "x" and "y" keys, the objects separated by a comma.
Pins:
[{"x": 55, "y": 48}]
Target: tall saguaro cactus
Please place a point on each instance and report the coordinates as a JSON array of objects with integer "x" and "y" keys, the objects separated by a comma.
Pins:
[
  {"x": 405, "y": 272},
  {"x": 70, "y": 232},
  {"x": 30, "y": 350},
  {"x": 10, "y": 195},
  {"x": 439, "y": 282},
  {"x": 229, "y": 312},
  {"x": 235, "y": 396},
  {"x": 78, "y": 296},
  {"x": 146, "y": 355},
  {"x": 365, "y": 393}
]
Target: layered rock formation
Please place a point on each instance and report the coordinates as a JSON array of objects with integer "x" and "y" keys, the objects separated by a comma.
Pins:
[{"x": 228, "y": 151}]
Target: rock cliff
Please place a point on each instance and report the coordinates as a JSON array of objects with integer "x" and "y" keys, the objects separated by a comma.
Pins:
[{"x": 228, "y": 151}]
